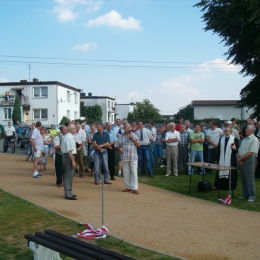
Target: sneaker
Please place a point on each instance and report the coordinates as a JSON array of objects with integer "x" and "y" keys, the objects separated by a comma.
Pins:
[
  {"x": 37, "y": 176},
  {"x": 176, "y": 174},
  {"x": 119, "y": 173},
  {"x": 250, "y": 200},
  {"x": 167, "y": 174},
  {"x": 163, "y": 166},
  {"x": 40, "y": 174}
]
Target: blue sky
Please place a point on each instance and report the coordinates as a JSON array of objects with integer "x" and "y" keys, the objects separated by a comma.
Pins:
[{"x": 126, "y": 49}]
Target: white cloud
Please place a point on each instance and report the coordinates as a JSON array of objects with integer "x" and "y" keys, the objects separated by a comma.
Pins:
[
  {"x": 85, "y": 47},
  {"x": 3, "y": 79},
  {"x": 69, "y": 10},
  {"x": 134, "y": 96},
  {"x": 113, "y": 18},
  {"x": 219, "y": 65}
]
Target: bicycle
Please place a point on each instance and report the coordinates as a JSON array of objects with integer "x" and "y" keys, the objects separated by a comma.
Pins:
[{"x": 10, "y": 144}]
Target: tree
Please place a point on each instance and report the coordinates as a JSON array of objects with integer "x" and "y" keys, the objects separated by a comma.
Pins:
[
  {"x": 238, "y": 24},
  {"x": 63, "y": 120},
  {"x": 93, "y": 113},
  {"x": 145, "y": 111},
  {"x": 186, "y": 112},
  {"x": 17, "y": 110}
]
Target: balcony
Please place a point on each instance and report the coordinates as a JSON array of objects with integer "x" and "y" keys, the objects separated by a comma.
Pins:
[
  {"x": 111, "y": 110},
  {"x": 9, "y": 100}
]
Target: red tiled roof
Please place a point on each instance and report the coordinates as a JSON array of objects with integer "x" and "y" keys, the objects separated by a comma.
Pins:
[{"x": 214, "y": 102}]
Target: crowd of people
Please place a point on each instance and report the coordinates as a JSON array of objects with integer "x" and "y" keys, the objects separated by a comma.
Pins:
[{"x": 80, "y": 148}]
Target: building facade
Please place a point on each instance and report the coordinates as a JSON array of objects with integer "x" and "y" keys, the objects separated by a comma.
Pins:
[
  {"x": 45, "y": 101},
  {"x": 122, "y": 110},
  {"x": 107, "y": 104},
  {"x": 221, "y": 109}
]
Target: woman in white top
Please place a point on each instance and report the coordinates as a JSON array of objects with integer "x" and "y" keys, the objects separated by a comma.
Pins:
[{"x": 46, "y": 141}]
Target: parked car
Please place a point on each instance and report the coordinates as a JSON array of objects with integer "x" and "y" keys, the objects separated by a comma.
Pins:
[{"x": 23, "y": 137}]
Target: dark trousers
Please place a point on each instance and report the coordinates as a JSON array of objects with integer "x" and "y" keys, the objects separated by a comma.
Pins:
[
  {"x": 111, "y": 161},
  {"x": 212, "y": 152},
  {"x": 59, "y": 168}
]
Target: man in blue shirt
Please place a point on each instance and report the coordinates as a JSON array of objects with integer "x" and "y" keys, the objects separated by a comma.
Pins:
[
  {"x": 111, "y": 150},
  {"x": 18, "y": 130},
  {"x": 101, "y": 141}
]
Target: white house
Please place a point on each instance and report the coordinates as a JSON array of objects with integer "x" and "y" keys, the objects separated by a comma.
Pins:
[
  {"x": 221, "y": 109},
  {"x": 122, "y": 110},
  {"x": 107, "y": 104},
  {"x": 45, "y": 101}
]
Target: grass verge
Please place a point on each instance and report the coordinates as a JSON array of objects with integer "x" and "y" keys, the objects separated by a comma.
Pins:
[
  {"x": 180, "y": 184},
  {"x": 19, "y": 217}
]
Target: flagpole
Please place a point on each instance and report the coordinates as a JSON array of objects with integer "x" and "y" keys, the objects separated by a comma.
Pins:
[{"x": 103, "y": 179}]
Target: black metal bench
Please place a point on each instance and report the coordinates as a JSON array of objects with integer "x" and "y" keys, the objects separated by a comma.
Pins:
[{"x": 72, "y": 247}]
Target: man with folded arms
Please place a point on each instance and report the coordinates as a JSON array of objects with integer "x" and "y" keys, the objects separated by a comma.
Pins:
[
  {"x": 127, "y": 144},
  {"x": 101, "y": 141},
  {"x": 246, "y": 161},
  {"x": 172, "y": 139},
  {"x": 68, "y": 148},
  {"x": 196, "y": 140}
]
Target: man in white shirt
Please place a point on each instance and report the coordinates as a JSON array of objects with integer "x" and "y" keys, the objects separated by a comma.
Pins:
[
  {"x": 172, "y": 138},
  {"x": 80, "y": 139},
  {"x": 9, "y": 133},
  {"x": 213, "y": 135},
  {"x": 37, "y": 147},
  {"x": 153, "y": 144},
  {"x": 68, "y": 148},
  {"x": 145, "y": 138}
]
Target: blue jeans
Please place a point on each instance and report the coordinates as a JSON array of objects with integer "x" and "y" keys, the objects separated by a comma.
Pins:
[
  {"x": 152, "y": 156},
  {"x": 212, "y": 152},
  {"x": 100, "y": 160},
  {"x": 144, "y": 157},
  {"x": 46, "y": 150},
  {"x": 193, "y": 155},
  {"x": 158, "y": 151}
]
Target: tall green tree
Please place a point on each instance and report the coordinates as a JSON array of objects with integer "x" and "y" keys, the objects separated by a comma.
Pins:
[
  {"x": 145, "y": 111},
  {"x": 17, "y": 110},
  {"x": 93, "y": 113},
  {"x": 237, "y": 22},
  {"x": 186, "y": 112}
]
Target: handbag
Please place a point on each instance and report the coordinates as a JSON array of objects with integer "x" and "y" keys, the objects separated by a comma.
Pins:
[{"x": 204, "y": 186}]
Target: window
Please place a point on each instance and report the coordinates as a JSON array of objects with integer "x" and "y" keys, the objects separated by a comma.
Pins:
[
  {"x": 75, "y": 115},
  {"x": 68, "y": 96},
  {"x": 108, "y": 104},
  {"x": 112, "y": 118},
  {"x": 75, "y": 97},
  {"x": 40, "y": 92},
  {"x": 8, "y": 113},
  {"x": 68, "y": 114},
  {"x": 40, "y": 114}
]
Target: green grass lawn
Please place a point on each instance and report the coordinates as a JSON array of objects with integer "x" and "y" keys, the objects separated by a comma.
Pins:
[
  {"x": 19, "y": 217},
  {"x": 180, "y": 184}
]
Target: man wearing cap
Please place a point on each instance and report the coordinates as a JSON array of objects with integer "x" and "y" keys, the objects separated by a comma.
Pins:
[{"x": 246, "y": 161}]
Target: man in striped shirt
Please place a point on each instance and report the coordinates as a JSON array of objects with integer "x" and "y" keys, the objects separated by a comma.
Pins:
[
  {"x": 183, "y": 146},
  {"x": 127, "y": 144}
]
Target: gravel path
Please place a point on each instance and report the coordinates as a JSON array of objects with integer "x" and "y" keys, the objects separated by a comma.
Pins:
[{"x": 157, "y": 219}]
